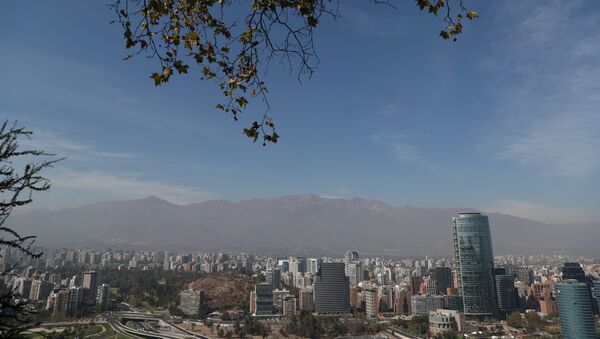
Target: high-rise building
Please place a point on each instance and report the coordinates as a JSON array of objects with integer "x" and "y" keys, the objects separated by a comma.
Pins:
[
  {"x": 190, "y": 301},
  {"x": 279, "y": 297},
  {"x": 23, "y": 287},
  {"x": 332, "y": 289},
  {"x": 475, "y": 259},
  {"x": 306, "y": 299},
  {"x": 402, "y": 303},
  {"x": 263, "y": 300},
  {"x": 103, "y": 296},
  {"x": 443, "y": 279},
  {"x": 575, "y": 310},
  {"x": 276, "y": 278},
  {"x": 40, "y": 290},
  {"x": 349, "y": 258},
  {"x": 74, "y": 300},
  {"x": 506, "y": 294},
  {"x": 289, "y": 306},
  {"x": 90, "y": 282},
  {"x": 312, "y": 265},
  {"x": 371, "y": 302}
]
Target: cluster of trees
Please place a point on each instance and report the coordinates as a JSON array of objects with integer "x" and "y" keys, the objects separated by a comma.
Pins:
[
  {"x": 307, "y": 325},
  {"x": 155, "y": 288},
  {"x": 531, "y": 322},
  {"x": 416, "y": 325}
]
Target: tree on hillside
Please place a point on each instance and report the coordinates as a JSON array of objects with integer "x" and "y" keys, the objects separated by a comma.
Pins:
[
  {"x": 20, "y": 175},
  {"x": 232, "y": 43}
]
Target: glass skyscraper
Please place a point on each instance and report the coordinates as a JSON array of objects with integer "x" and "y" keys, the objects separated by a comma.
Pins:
[
  {"x": 332, "y": 289},
  {"x": 475, "y": 259},
  {"x": 575, "y": 310}
]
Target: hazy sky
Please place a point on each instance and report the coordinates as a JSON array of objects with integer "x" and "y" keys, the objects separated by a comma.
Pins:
[{"x": 507, "y": 119}]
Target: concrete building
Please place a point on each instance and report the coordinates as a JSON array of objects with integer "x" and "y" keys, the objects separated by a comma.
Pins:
[
  {"x": 423, "y": 304},
  {"x": 306, "y": 299},
  {"x": 474, "y": 256},
  {"x": 290, "y": 305},
  {"x": 402, "y": 303},
  {"x": 103, "y": 296},
  {"x": 90, "y": 283},
  {"x": 371, "y": 295},
  {"x": 441, "y": 321},
  {"x": 40, "y": 290},
  {"x": 279, "y": 297},
  {"x": 190, "y": 301}
]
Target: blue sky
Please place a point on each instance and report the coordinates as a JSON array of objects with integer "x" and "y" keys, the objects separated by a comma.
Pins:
[{"x": 507, "y": 119}]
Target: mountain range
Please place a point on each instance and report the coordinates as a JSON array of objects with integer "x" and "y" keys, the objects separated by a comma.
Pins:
[{"x": 302, "y": 224}]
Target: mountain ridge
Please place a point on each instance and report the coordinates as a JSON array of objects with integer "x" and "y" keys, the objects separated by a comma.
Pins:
[{"x": 290, "y": 223}]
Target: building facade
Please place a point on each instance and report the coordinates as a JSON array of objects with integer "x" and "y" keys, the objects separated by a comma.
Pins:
[
  {"x": 332, "y": 290},
  {"x": 475, "y": 259},
  {"x": 575, "y": 310}
]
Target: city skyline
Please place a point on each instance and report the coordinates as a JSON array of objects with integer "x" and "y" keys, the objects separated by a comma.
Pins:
[{"x": 527, "y": 139}]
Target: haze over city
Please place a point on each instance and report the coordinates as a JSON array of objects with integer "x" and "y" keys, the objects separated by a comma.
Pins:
[{"x": 302, "y": 169}]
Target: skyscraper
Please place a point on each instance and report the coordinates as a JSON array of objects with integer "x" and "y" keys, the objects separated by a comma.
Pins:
[
  {"x": 332, "y": 289},
  {"x": 475, "y": 259},
  {"x": 90, "y": 281},
  {"x": 276, "y": 278},
  {"x": 443, "y": 279},
  {"x": 506, "y": 293},
  {"x": 575, "y": 310}
]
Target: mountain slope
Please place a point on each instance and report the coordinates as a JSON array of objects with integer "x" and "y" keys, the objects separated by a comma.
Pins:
[{"x": 288, "y": 224}]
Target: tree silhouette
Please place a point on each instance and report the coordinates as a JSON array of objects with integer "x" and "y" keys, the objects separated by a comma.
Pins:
[
  {"x": 20, "y": 176},
  {"x": 233, "y": 43}
]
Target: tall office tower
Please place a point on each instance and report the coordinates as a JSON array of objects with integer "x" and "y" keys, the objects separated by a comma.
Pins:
[
  {"x": 263, "y": 300},
  {"x": 506, "y": 294},
  {"x": 103, "y": 296},
  {"x": 190, "y": 301},
  {"x": 312, "y": 265},
  {"x": 332, "y": 289},
  {"x": 306, "y": 299},
  {"x": 276, "y": 278},
  {"x": 475, "y": 259},
  {"x": 371, "y": 302},
  {"x": 443, "y": 279},
  {"x": 575, "y": 310}
]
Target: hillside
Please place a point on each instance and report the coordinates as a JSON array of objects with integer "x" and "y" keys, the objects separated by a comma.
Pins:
[{"x": 227, "y": 290}]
